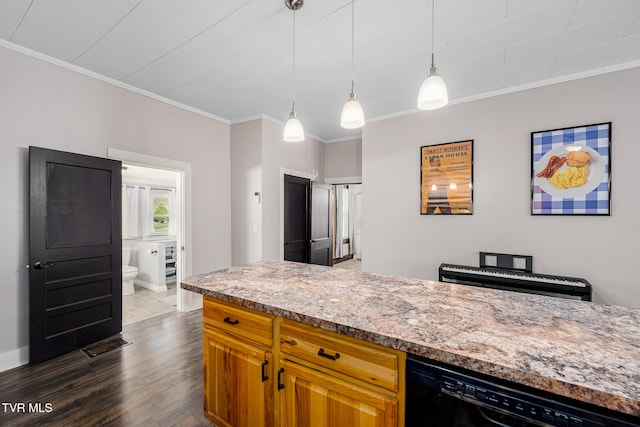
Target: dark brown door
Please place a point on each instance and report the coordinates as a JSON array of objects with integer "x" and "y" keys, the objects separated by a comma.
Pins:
[
  {"x": 296, "y": 219},
  {"x": 75, "y": 251},
  {"x": 320, "y": 250}
]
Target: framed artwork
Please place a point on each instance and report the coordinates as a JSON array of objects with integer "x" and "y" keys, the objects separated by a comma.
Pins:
[
  {"x": 571, "y": 171},
  {"x": 446, "y": 178}
]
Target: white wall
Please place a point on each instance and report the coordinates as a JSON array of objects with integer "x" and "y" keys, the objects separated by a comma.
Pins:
[
  {"x": 49, "y": 106},
  {"x": 258, "y": 154},
  {"x": 343, "y": 159},
  {"x": 306, "y": 156},
  {"x": 246, "y": 180},
  {"x": 603, "y": 250}
]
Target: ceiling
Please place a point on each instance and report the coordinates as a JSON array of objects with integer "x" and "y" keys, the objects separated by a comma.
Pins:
[{"x": 233, "y": 58}]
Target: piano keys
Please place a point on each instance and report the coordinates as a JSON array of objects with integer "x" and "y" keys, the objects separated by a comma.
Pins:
[{"x": 516, "y": 280}]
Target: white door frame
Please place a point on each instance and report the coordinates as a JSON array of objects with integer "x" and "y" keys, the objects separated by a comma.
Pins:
[{"x": 185, "y": 301}]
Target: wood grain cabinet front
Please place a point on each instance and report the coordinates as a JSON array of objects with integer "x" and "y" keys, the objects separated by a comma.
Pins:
[
  {"x": 261, "y": 370},
  {"x": 239, "y": 321},
  {"x": 362, "y": 361},
  {"x": 238, "y": 382},
  {"x": 312, "y": 398},
  {"x": 327, "y": 379}
]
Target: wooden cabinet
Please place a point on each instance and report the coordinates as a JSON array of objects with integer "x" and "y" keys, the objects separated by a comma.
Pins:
[
  {"x": 319, "y": 378},
  {"x": 238, "y": 384},
  {"x": 238, "y": 366},
  {"x": 327, "y": 379},
  {"x": 314, "y": 398}
]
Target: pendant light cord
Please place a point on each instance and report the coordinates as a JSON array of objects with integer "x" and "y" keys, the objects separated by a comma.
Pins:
[
  {"x": 293, "y": 64},
  {"x": 353, "y": 67},
  {"x": 433, "y": 31}
]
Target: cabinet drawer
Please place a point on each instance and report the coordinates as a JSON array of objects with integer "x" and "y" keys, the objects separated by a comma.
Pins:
[
  {"x": 366, "y": 362},
  {"x": 239, "y": 321}
]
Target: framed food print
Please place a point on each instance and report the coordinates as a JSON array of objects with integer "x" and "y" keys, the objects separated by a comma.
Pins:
[
  {"x": 571, "y": 171},
  {"x": 446, "y": 178}
]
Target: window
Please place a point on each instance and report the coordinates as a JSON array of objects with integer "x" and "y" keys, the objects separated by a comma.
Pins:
[{"x": 161, "y": 215}]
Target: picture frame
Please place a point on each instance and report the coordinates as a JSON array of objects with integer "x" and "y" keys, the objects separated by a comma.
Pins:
[
  {"x": 446, "y": 178},
  {"x": 571, "y": 170}
]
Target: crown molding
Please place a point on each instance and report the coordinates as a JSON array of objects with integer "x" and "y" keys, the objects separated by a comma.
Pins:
[
  {"x": 109, "y": 80},
  {"x": 520, "y": 88}
]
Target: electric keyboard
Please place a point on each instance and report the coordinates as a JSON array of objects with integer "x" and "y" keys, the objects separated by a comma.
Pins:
[{"x": 513, "y": 280}]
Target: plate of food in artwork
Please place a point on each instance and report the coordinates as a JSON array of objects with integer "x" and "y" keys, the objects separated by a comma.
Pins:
[{"x": 569, "y": 171}]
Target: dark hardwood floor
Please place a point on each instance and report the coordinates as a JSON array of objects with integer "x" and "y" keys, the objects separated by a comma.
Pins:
[{"x": 156, "y": 380}]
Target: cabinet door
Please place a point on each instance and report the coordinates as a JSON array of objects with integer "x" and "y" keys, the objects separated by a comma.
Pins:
[
  {"x": 314, "y": 399},
  {"x": 238, "y": 382}
]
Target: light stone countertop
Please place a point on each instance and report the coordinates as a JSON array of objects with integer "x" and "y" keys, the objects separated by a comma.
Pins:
[{"x": 586, "y": 351}]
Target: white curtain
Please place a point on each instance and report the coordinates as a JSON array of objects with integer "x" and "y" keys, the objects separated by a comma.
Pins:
[
  {"x": 136, "y": 212},
  {"x": 145, "y": 219},
  {"x": 130, "y": 212},
  {"x": 345, "y": 203},
  {"x": 339, "y": 220},
  {"x": 352, "y": 210}
]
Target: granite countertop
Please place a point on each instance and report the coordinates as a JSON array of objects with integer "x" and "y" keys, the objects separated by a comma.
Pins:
[{"x": 586, "y": 351}]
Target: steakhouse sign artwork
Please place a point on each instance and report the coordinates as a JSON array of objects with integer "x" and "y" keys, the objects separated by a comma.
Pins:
[{"x": 446, "y": 178}]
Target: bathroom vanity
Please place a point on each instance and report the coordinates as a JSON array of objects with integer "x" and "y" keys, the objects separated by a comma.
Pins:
[
  {"x": 285, "y": 342},
  {"x": 156, "y": 261}
]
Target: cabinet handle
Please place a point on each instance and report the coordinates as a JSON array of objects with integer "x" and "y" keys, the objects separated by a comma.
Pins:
[
  {"x": 264, "y": 376},
  {"x": 229, "y": 321},
  {"x": 280, "y": 372},
  {"x": 321, "y": 353}
]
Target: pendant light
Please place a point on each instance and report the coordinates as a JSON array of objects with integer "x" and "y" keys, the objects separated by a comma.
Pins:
[
  {"x": 293, "y": 131},
  {"x": 433, "y": 92},
  {"x": 352, "y": 114}
]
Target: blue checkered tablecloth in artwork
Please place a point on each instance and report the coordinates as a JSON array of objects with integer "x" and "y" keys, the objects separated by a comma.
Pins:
[{"x": 596, "y": 202}]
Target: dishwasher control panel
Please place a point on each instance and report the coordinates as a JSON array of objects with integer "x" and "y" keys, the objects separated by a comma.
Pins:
[
  {"x": 508, "y": 403},
  {"x": 498, "y": 400}
]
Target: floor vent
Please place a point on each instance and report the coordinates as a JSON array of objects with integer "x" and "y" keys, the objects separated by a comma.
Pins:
[{"x": 104, "y": 346}]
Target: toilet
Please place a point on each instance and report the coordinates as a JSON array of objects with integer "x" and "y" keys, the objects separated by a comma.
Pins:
[{"x": 128, "y": 272}]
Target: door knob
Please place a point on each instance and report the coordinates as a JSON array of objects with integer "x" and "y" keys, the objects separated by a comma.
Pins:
[{"x": 40, "y": 266}]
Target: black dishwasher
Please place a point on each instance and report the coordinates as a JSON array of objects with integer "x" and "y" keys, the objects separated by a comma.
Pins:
[{"x": 439, "y": 395}]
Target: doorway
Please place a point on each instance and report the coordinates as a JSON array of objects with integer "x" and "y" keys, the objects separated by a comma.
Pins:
[
  {"x": 184, "y": 300},
  {"x": 150, "y": 202},
  {"x": 297, "y": 225},
  {"x": 346, "y": 222},
  {"x": 306, "y": 221}
]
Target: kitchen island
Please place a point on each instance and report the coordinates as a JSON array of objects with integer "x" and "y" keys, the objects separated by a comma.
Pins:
[{"x": 580, "y": 350}]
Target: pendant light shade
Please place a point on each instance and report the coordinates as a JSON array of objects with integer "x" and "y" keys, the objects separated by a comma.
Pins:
[
  {"x": 433, "y": 92},
  {"x": 352, "y": 113},
  {"x": 293, "y": 131}
]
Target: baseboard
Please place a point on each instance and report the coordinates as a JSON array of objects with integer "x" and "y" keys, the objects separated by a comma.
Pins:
[
  {"x": 14, "y": 358},
  {"x": 151, "y": 286}
]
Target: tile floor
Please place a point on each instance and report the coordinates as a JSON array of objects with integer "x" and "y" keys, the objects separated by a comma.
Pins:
[
  {"x": 351, "y": 264},
  {"x": 145, "y": 304}
]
